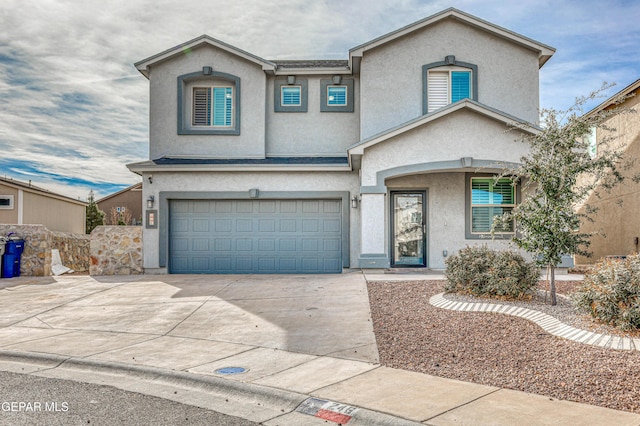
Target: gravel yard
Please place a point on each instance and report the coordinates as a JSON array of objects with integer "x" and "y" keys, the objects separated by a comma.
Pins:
[{"x": 499, "y": 350}]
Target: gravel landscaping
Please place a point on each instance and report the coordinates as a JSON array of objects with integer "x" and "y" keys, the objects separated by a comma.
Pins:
[{"x": 500, "y": 350}]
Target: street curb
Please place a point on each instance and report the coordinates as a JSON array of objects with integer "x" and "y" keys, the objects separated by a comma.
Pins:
[{"x": 278, "y": 400}]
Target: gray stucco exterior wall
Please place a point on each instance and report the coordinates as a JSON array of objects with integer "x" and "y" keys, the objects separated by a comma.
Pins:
[
  {"x": 391, "y": 75},
  {"x": 164, "y": 139}
]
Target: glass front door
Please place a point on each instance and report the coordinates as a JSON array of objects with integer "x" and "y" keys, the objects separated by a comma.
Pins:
[{"x": 408, "y": 211}]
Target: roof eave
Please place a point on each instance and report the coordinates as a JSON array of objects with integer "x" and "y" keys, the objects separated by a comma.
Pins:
[
  {"x": 612, "y": 100},
  {"x": 544, "y": 51},
  {"x": 144, "y": 65},
  {"x": 358, "y": 148}
]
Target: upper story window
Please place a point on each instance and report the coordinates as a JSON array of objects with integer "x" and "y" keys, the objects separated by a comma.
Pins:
[
  {"x": 208, "y": 103},
  {"x": 290, "y": 94},
  {"x": 213, "y": 106},
  {"x": 447, "y": 86},
  {"x": 336, "y": 94},
  {"x": 448, "y": 81}
]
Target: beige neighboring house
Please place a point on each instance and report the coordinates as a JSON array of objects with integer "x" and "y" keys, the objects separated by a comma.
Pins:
[
  {"x": 126, "y": 203},
  {"x": 617, "y": 217},
  {"x": 21, "y": 203}
]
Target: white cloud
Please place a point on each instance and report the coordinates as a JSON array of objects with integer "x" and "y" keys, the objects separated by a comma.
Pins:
[{"x": 73, "y": 103}]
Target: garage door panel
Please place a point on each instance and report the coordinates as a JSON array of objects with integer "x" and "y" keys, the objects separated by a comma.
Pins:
[
  {"x": 255, "y": 236},
  {"x": 201, "y": 244},
  {"x": 331, "y": 225},
  {"x": 288, "y": 225},
  {"x": 244, "y": 225},
  {"x": 244, "y": 244},
  {"x": 332, "y": 245}
]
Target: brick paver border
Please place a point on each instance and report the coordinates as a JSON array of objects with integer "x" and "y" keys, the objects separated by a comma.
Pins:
[{"x": 548, "y": 323}]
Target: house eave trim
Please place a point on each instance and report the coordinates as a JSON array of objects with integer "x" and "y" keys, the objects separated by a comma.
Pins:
[
  {"x": 144, "y": 65},
  {"x": 507, "y": 119},
  {"x": 544, "y": 51},
  {"x": 151, "y": 167}
]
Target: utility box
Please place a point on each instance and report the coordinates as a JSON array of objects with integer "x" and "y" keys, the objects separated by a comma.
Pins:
[{"x": 11, "y": 260}]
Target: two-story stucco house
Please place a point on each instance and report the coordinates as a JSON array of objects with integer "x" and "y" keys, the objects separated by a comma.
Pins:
[{"x": 311, "y": 166}]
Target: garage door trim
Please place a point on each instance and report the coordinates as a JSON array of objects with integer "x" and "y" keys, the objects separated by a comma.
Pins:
[{"x": 165, "y": 196}]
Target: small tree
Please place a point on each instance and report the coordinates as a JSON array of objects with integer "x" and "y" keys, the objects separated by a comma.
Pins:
[
  {"x": 94, "y": 216},
  {"x": 119, "y": 217},
  {"x": 558, "y": 176}
]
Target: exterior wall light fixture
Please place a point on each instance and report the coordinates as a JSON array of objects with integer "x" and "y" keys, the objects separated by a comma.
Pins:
[{"x": 150, "y": 201}]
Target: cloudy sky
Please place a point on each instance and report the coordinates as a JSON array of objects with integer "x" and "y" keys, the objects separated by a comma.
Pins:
[{"x": 74, "y": 111}]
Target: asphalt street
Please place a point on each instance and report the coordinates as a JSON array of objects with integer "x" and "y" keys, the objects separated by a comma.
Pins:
[{"x": 30, "y": 400}]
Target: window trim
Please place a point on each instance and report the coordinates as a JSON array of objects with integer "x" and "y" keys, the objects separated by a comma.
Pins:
[
  {"x": 11, "y": 205},
  {"x": 449, "y": 63},
  {"x": 468, "y": 206},
  {"x": 277, "y": 95},
  {"x": 207, "y": 78},
  {"x": 324, "y": 88}
]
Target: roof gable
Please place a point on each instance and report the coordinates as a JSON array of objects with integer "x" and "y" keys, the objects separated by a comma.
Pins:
[
  {"x": 507, "y": 119},
  {"x": 144, "y": 65},
  {"x": 544, "y": 52},
  {"x": 613, "y": 100},
  {"x": 136, "y": 186},
  {"x": 28, "y": 187}
]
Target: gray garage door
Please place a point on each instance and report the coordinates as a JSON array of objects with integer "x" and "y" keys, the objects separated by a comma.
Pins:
[{"x": 255, "y": 236}]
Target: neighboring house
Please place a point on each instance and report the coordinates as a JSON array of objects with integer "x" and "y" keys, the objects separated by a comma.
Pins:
[
  {"x": 21, "y": 203},
  {"x": 384, "y": 159},
  {"x": 124, "y": 205},
  {"x": 617, "y": 221}
]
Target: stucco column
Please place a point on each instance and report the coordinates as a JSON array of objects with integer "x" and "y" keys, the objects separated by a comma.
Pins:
[{"x": 373, "y": 252}]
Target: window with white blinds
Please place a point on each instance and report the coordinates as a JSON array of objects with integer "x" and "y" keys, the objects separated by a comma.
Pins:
[
  {"x": 213, "y": 106},
  {"x": 337, "y": 95},
  {"x": 447, "y": 86},
  {"x": 490, "y": 199},
  {"x": 291, "y": 96}
]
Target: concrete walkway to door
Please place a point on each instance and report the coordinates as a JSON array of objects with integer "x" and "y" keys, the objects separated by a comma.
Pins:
[{"x": 281, "y": 350}]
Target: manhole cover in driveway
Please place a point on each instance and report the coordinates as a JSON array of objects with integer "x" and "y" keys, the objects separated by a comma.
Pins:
[{"x": 227, "y": 371}]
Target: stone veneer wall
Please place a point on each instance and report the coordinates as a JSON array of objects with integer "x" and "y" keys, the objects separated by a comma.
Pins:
[
  {"x": 74, "y": 250},
  {"x": 116, "y": 250},
  {"x": 39, "y": 241}
]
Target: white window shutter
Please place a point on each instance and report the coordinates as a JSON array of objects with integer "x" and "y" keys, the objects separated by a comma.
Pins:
[
  {"x": 201, "y": 107},
  {"x": 438, "y": 90}
]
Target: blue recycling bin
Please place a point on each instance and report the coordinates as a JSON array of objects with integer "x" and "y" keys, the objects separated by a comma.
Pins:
[{"x": 11, "y": 260}]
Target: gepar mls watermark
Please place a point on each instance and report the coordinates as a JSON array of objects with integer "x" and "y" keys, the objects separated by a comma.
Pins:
[{"x": 34, "y": 406}]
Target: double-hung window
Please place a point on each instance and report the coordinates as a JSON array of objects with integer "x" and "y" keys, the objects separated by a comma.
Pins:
[
  {"x": 213, "y": 106},
  {"x": 446, "y": 86},
  {"x": 489, "y": 200}
]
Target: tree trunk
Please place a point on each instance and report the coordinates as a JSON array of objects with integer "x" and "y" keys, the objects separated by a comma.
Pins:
[{"x": 552, "y": 284}]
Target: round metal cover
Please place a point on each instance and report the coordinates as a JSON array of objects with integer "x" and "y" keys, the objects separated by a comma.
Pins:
[{"x": 230, "y": 370}]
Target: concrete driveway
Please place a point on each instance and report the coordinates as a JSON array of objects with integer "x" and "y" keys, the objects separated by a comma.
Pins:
[
  {"x": 282, "y": 350},
  {"x": 138, "y": 318}
]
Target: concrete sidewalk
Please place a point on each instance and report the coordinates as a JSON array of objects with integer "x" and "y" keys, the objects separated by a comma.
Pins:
[{"x": 281, "y": 350}]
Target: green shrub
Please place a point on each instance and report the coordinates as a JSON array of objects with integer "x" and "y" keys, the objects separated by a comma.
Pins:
[
  {"x": 482, "y": 271},
  {"x": 611, "y": 292}
]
